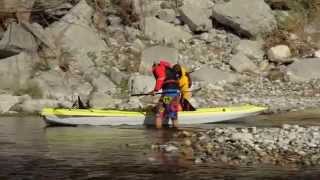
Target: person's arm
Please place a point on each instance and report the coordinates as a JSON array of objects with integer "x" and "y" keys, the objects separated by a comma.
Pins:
[
  {"x": 159, "y": 84},
  {"x": 161, "y": 76}
]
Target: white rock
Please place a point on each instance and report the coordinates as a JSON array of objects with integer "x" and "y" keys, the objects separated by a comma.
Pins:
[
  {"x": 317, "y": 54},
  {"x": 280, "y": 53},
  {"x": 171, "y": 148}
]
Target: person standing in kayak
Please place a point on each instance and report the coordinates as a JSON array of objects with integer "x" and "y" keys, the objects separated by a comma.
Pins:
[{"x": 168, "y": 105}]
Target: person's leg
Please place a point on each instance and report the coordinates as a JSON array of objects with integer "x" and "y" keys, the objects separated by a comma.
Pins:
[
  {"x": 175, "y": 123},
  {"x": 159, "y": 115},
  {"x": 158, "y": 122},
  {"x": 174, "y": 118},
  {"x": 175, "y": 108},
  {"x": 165, "y": 121}
]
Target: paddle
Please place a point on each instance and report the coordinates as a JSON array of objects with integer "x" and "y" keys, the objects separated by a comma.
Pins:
[
  {"x": 149, "y": 94},
  {"x": 146, "y": 94},
  {"x": 194, "y": 70},
  {"x": 80, "y": 105},
  {"x": 186, "y": 105}
]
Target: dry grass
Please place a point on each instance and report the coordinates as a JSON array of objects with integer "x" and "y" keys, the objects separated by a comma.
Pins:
[
  {"x": 127, "y": 12},
  {"x": 299, "y": 47},
  {"x": 301, "y": 13}
]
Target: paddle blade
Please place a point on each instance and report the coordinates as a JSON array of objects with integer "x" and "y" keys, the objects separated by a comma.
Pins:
[{"x": 186, "y": 105}]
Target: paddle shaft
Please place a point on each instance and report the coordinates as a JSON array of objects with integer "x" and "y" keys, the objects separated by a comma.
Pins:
[{"x": 149, "y": 94}]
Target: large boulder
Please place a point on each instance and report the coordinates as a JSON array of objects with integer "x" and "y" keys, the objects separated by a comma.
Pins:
[
  {"x": 247, "y": 17},
  {"x": 240, "y": 63},
  {"x": 78, "y": 38},
  {"x": 22, "y": 8},
  {"x": 197, "y": 14},
  {"x": 16, "y": 70},
  {"x": 15, "y": 40},
  {"x": 59, "y": 86},
  {"x": 7, "y": 102},
  {"x": 279, "y": 4},
  {"x": 212, "y": 75},
  {"x": 304, "y": 70},
  {"x": 152, "y": 8},
  {"x": 118, "y": 77},
  {"x": 252, "y": 49},
  {"x": 280, "y": 53},
  {"x": 141, "y": 84},
  {"x": 102, "y": 83},
  {"x": 159, "y": 30},
  {"x": 312, "y": 30},
  {"x": 101, "y": 100},
  {"x": 38, "y": 32},
  {"x": 36, "y": 105},
  {"x": 49, "y": 85},
  {"x": 167, "y": 15},
  {"x": 15, "y": 5},
  {"x": 154, "y": 54}
]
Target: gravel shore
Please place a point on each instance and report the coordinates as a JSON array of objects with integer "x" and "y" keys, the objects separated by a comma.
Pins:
[{"x": 288, "y": 145}]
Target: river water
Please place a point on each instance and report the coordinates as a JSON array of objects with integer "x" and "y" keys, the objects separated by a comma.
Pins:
[{"x": 30, "y": 150}]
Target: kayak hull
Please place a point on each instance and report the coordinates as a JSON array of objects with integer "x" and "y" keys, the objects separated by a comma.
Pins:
[{"x": 75, "y": 117}]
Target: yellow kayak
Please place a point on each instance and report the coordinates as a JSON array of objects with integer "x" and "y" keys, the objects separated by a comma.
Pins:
[{"x": 118, "y": 117}]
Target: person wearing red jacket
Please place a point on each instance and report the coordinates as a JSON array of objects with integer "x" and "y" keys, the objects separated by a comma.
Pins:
[{"x": 168, "y": 105}]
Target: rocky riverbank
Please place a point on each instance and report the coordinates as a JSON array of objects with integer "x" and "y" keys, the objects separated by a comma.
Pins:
[
  {"x": 285, "y": 146},
  {"x": 101, "y": 50}
]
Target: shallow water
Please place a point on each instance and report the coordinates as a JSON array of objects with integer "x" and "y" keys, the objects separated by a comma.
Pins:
[{"x": 29, "y": 150}]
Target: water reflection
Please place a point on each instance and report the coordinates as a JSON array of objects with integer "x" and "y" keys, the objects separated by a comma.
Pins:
[{"x": 28, "y": 150}]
